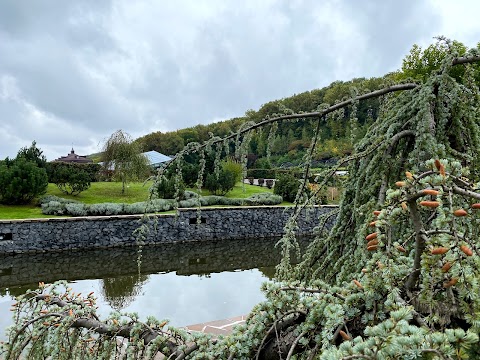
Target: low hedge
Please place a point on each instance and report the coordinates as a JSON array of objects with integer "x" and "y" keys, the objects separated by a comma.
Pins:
[{"x": 54, "y": 205}]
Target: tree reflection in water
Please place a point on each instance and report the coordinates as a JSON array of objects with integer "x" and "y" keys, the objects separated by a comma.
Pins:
[{"x": 121, "y": 291}]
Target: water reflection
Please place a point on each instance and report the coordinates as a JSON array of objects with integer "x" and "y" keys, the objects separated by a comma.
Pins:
[
  {"x": 185, "y": 258},
  {"x": 186, "y": 282},
  {"x": 121, "y": 291}
]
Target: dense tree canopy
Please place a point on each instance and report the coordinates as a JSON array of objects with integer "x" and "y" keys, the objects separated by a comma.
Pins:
[{"x": 396, "y": 276}]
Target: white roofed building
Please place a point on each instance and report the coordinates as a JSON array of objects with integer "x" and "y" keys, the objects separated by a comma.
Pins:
[{"x": 156, "y": 159}]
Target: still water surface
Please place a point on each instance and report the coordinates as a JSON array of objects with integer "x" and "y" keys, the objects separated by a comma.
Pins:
[{"x": 187, "y": 283}]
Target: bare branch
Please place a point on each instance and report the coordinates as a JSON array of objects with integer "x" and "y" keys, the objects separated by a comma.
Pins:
[
  {"x": 460, "y": 191},
  {"x": 466, "y": 60},
  {"x": 294, "y": 345}
]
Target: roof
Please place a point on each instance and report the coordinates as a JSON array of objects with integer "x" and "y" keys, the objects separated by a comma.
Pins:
[
  {"x": 155, "y": 157},
  {"x": 72, "y": 157}
]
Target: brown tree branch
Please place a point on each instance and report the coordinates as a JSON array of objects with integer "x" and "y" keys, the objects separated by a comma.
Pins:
[
  {"x": 377, "y": 93},
  {"x": 468, "y": 193},
  {"x": 100, "y": 327},
  {"x": 466, "y": 60},
  {"x": 282, "y": 323},
  {"x": 294, "y": 345},
  {"x": 420, "y": 244}
]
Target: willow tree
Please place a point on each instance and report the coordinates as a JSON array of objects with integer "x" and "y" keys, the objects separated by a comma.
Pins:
[
  {"x": 123, "y": 156},
  {"x": 396, "y": 277}
]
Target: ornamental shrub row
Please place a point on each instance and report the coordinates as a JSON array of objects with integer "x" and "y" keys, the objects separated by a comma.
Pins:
[{"x": 53, "y": 205}]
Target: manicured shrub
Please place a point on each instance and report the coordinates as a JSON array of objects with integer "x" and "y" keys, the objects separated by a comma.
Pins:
[
  {"x": 53, "y": 208},
  {"x": 21, "y": 181},
  {"x": 76, "y": 209},
  {"x": 105, "y": 209},
  {"x": 165, "y": 188},
  {"x": 221, "y": 186},
  {"x": 135, "y": 208},
  {"x": 70, "y": 178},
  {"x": 93, "y": 170},
  {"x": 49, "y": 198},
  {"x": 287, "y": 187},
  {"x": 263, "y": 199},
  {"x": 190, "y": 203},
  {"x": 54, "y": 205},
  {"x": 159, "y": 205}
]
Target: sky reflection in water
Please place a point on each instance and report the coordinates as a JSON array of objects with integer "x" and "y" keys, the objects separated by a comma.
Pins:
[{"x": 187, "y": 283}]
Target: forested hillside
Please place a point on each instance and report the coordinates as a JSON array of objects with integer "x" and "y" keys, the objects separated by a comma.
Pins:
[{"x": 291, "y": 139}]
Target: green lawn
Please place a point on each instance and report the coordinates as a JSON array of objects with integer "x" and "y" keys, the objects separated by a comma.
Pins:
[
  {"x": 21, "y": 212},
  {"x": 107, "y": 192},
  {"x": 111, "y": 192}
]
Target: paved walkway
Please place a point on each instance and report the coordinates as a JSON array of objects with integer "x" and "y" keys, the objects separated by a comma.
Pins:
[{"x": 218, "y": 327}]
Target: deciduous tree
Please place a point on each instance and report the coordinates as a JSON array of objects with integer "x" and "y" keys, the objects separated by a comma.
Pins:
[{"x": 123, "y": 156}]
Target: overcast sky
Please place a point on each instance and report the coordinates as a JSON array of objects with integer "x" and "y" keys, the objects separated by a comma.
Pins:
[{"x": 73, "y": 72}]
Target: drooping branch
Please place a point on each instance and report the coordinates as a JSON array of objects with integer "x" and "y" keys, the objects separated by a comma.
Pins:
[
  {"x": 101, "y": 328},
  {"x": 393, "y": 143},
  {"x": 340, "y": 105}
]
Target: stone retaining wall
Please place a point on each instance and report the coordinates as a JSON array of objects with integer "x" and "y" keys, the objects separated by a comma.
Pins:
[{"x": 57, "y": 234}]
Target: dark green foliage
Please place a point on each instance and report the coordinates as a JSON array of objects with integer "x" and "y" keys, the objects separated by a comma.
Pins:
[
  {"x": 223, "y": 184},
  {"x": 93, "y": 170},
  {"x": 262, "y": 163},
  {"x": 21, "y": 181},
  {"x": 190, "y": 174},
  {"x": 165, "y": 188},
  {"x": 33, "y": 154},
  {"x": 70, "y": 178},
  {"x": 287, "y": 186}
]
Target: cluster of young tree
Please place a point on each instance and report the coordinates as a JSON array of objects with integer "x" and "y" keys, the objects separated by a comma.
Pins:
[{"x": 395, "y": 277}]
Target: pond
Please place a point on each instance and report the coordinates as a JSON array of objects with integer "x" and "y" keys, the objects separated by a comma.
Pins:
[{"x": 185, "y": 282}]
